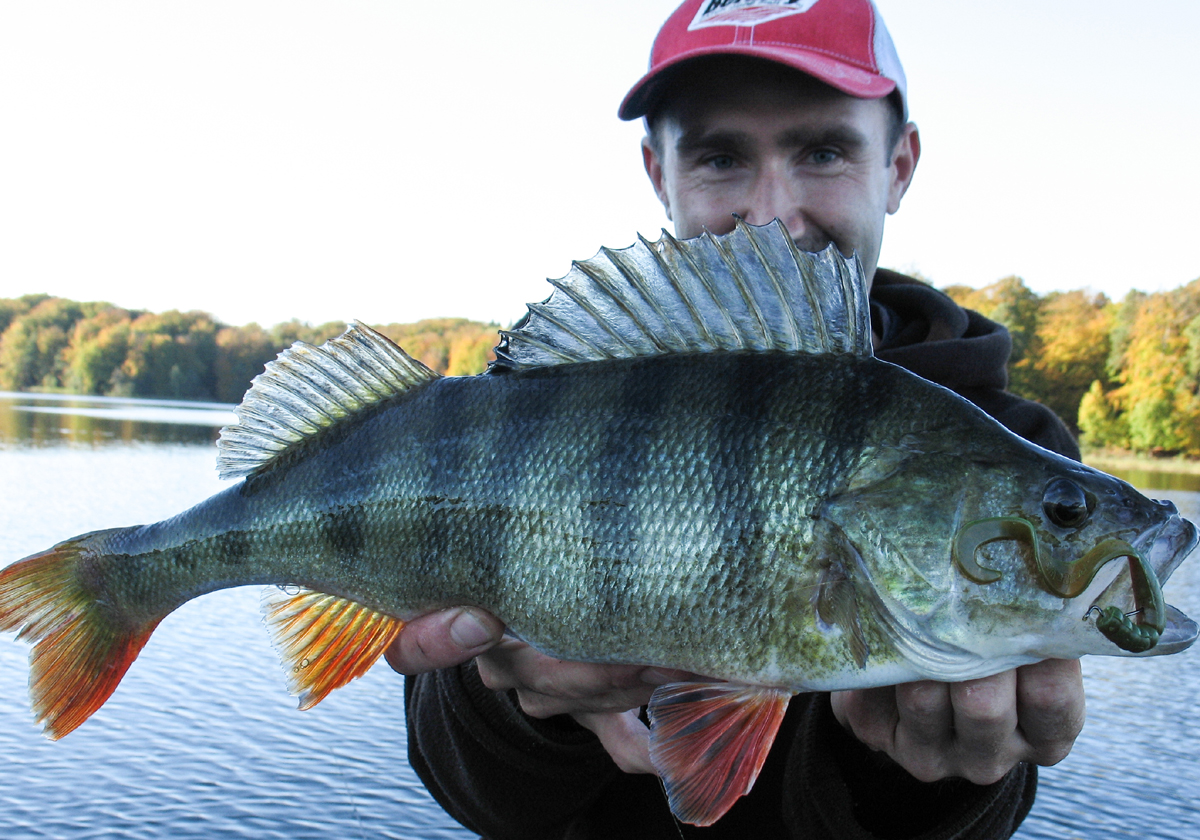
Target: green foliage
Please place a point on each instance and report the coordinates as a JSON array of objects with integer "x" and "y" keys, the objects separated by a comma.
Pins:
[
  {"x": 171, "y": 355},
  {"x": 242, "y": 353},
  {"x": 1100, "y": 423},
  {"x": 33, "y": 348},
  {"x": 1015, "y": 305},
  {"x": 12, "y": 308},
  {"x": 96, "y": 348},
  {"x": 1127, "y": 374},
  {"x": 1158, "y": 382},
  {"x": 99, "y": 346},
  {"x": 1119, "y": 335}
]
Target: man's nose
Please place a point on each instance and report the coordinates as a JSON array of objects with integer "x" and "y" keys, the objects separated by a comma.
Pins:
[{"x": 771, "y": 197}]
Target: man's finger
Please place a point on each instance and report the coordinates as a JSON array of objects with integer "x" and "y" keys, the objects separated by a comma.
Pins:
[
  {"x": 1051, "y": 707},
  {"x": 443, "y": 639},
  {"x": 988, "y": 743},
  {"x": 925, "y": 730},
  {"x": 926, "y": 713},
  {"x": 870, "y": 714},
  {"x": 514, "y": 664},
  {"x": 546, "y": 686},
  {"x": 624, "y": 736}
]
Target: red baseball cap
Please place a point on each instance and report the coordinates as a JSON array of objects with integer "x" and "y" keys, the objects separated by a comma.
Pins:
[{"x": 841, "y": 42}]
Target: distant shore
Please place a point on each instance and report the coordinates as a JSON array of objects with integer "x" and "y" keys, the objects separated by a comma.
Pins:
[{"x": 1116, "y": 459}]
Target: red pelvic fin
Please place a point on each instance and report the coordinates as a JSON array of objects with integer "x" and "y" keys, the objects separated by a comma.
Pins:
[
  {"x": 325, "y": 641},
  {"x": 708, "y": 742},
  {"x": 82, "y": 647}
]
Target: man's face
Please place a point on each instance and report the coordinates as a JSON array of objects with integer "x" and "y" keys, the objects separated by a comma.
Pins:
[{"x": 787, "y": 148}]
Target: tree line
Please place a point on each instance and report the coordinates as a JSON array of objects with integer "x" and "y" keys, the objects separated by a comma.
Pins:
[
  {"x": 1123, "y": 375},
  {"x": 57, "y": 344}
]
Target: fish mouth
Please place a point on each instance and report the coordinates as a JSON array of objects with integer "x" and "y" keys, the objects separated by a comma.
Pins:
[{"x": 1152, "y": 627}]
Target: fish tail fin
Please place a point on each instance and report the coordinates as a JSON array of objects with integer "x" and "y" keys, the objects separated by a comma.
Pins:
[{"x": 82, "y": 647}]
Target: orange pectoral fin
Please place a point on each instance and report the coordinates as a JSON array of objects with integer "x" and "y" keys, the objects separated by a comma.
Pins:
[
  {"x": 708, "y": 742},
  {"x": 325, "y": 641}
]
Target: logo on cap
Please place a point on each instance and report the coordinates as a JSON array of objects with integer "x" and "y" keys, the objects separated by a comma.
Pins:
[{"x": 746, "y": 12}]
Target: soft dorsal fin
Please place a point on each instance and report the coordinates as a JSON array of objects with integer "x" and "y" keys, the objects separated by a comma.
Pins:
[
  {"x": 750, "y": 289},
  {"x": 307, "y": 389}
]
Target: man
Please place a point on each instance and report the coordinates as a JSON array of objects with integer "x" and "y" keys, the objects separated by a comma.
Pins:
[{"x": 795, "y": 110}]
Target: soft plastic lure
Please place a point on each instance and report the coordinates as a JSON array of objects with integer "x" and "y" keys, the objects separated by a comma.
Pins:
[{"x": 1069, "y": 580}]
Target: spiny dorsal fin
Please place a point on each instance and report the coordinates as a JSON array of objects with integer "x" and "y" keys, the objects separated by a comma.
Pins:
[
  {"x": 307, "y": 389},
  {"x": 750, "y": 289}
]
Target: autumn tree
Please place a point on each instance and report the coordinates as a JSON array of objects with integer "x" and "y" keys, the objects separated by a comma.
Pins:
[
  {"x": 470, "y": 353},
  {"x": 172, "y": 355},
  {"x": 1157, "y": 398},
  {"x": 448, "y": 345},
  {"x": 32, "y": 349},
  {"x": 242, "y": 353},
  {"x": 1072, "y": 350},
  {"x": 12, "y": 308},
  {"x": 289, "y": 332},
  {"x": 98, "y": 347}
]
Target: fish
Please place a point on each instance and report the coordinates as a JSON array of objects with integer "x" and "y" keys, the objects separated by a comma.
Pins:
[{"x": 688, "y": 457}]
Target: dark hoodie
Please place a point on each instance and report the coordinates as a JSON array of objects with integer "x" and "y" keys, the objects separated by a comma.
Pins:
[
  {"x": 926, "y": 332},
  {"x": 505, "y": 775}
]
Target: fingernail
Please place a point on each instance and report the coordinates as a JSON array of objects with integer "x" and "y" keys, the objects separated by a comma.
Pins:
[{"x": 468, "y": 631}]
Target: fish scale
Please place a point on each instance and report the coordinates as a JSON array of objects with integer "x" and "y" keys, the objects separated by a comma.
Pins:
[{"x": 748, "y": 495}]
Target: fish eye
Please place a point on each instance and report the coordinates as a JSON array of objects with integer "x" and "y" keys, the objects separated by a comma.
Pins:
[{"x": 1065, "y": 503}]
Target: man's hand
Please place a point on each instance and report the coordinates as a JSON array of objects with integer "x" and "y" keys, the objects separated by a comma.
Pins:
[
  {"x": 602, "y": 698},
  {"x": 977, "y": 730},
  {"x": 443, "y": 639}
]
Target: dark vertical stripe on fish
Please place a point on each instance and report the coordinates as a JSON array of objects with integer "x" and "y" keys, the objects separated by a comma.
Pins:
[
  {"x": 496, "y": 447},
  {"x": 743, "y": 482},
  {"x": 344, "y": 533},
  {"x": 613, "y": 514},
  {"x": 234, "y": 547}
]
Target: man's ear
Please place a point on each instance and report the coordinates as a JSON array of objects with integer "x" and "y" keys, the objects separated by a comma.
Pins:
[
  {"x": 654, "y": 169},
  {"x": 904, "y": 164}
]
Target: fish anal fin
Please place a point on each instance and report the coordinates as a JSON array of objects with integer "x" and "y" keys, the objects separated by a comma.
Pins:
[
  {"x": 325, "y": 641},
  {"x": 708, "y": 742},
  {"x": 81, "y": 646}
]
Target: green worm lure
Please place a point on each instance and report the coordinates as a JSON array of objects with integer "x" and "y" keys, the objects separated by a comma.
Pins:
[{"x": 1069, "y": 580}]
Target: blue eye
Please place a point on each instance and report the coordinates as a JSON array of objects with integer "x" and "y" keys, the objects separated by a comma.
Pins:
[
  {"x": 721, "y": 162},
  {"x": 824, "y": 156}
]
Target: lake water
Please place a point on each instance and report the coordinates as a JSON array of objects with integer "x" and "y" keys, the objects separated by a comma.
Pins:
[{"x": 201, "y": 740}]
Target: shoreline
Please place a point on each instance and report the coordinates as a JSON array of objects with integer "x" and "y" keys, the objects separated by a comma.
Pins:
[{"x": 1109, "y": 460}]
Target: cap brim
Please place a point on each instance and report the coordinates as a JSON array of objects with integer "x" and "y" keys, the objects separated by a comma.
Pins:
[{"x": 848, "y": 78}]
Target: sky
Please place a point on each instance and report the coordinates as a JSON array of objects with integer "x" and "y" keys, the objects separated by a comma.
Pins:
[{"x": 391, "y": 160}]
